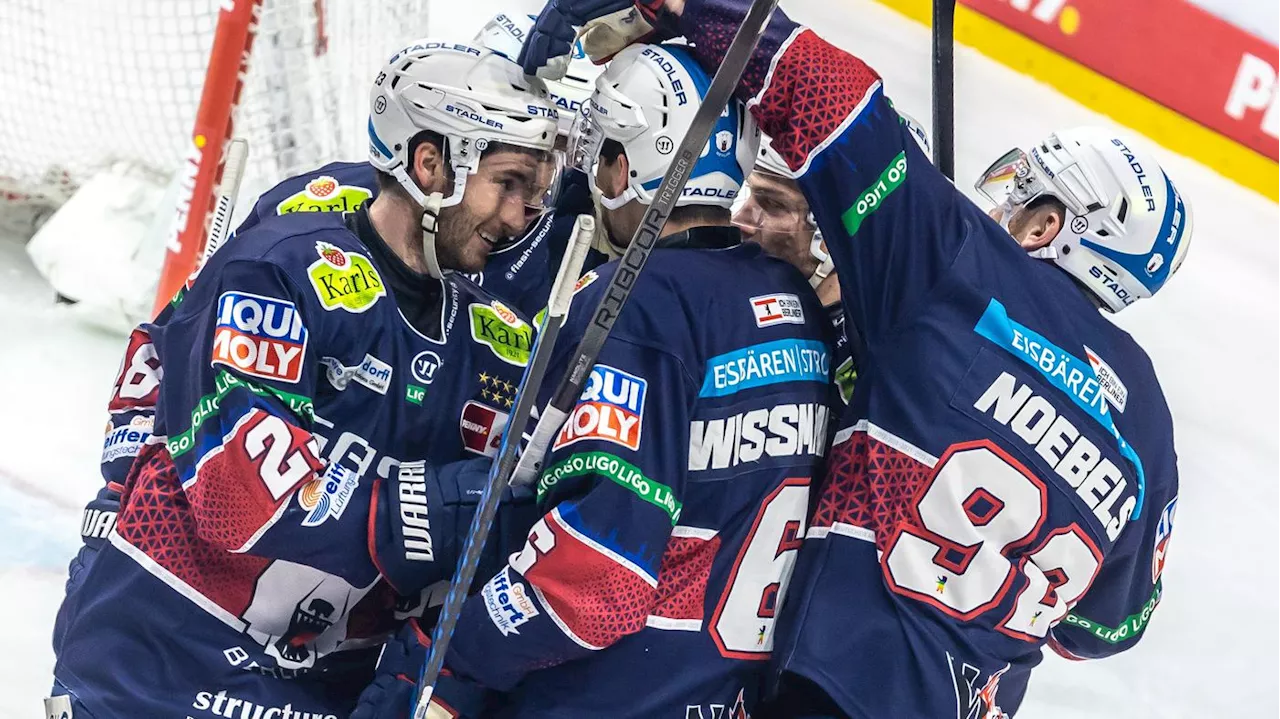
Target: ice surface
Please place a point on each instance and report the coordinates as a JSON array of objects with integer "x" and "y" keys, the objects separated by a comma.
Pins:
[{"x": 1212, "y": 333}]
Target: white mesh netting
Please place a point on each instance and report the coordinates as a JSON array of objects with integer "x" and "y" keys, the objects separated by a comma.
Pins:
[{"x": 88, "y": 83}]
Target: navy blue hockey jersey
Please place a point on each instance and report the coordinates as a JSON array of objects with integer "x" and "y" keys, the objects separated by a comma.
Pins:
[
  {"x": 676, "y": 495},
  {"x": 1004, "y": 475},
  {"x": 241, "y": 565},
  {"x": 519, "y": 274}
]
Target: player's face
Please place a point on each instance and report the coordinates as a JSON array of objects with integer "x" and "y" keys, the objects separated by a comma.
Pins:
[
  {"x": 493, "y": 210},
  {"x": 775, "y": 215}
]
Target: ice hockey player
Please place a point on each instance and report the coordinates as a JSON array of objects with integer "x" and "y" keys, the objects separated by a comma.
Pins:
[
  {"x": 520, "y": 269},
  {"x": 518, "y": 272},
  {"x": 676, "y": 491},
  {"x": 772, "y": 212},
  {"x": 1005, "y": 474},
  {"x": 281, "y": 508}
]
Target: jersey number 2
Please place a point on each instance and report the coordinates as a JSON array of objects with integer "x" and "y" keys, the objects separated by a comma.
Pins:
[
  {"x": 976, "y": 516},
  {"x": 742, "y": 625}
]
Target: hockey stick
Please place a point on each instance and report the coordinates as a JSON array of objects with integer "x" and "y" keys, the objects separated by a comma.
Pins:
[
  {"x": 606, "y": 312},
  {"x": 225, "y": 202},
  {"x": 944, "y": 67},
  {"x": 526, "y": 396}
]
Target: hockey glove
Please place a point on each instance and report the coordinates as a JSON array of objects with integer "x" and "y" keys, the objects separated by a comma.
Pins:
[
  {"x": 555, "y": 30},
  {"x": 420, "y": 519},
  {"x": 390, "y": 695}
]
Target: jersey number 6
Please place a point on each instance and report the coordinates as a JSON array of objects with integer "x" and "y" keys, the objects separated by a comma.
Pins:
[
  {"x": 742, "y": 625},
  {"x": 976, "y": 517}
]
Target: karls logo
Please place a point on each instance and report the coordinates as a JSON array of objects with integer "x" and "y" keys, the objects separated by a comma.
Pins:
[
  {"x": 757, "y": 435},
  {"x": 345, "y": 280},
  {"x": 508, "y": 603},
  {"x": 1164, "y": 530},
  {"x": 481, "y": 428},
  {"x": 770, "y": 310},
  {"x": 1254, "y": 89},
  {"x": 502, "y": 331},
  {"x": 324, "y": 194},
  {"x": 260, "y": 336},
  {"x": 611, "y": 409}
]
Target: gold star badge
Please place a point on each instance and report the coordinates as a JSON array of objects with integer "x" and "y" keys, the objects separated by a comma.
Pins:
[{"x": 484, "y": 378}]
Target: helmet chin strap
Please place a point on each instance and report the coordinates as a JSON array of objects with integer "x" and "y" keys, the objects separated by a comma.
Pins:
[
  {"x": 825, "y": 265},
  {"x": 430, "y": 225},
  {"x": 430, "y": 205}
]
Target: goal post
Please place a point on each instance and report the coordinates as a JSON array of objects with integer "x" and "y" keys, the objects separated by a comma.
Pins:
[
  {"x": 133, "y": 102},
  {"x": 202, "y": 168}
]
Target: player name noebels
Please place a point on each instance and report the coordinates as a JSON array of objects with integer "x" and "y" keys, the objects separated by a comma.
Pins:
[{"x": 1073, "y": 456}]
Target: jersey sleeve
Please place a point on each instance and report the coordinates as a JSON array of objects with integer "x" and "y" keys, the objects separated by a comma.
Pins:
[
  {"x": 892, "y": 222},
  {"x": 1113, "y": 614},
  {"x": 613, "y": 482},
  {"x": 238, "y": 411}
]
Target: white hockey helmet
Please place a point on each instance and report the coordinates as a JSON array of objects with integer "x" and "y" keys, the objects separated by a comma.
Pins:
[
  {"x": 1127, "y": 228},
  {"x": 575, "y": 73},
  {"x": 471, "y": 96},
  {"x": 646, "y": 101}
]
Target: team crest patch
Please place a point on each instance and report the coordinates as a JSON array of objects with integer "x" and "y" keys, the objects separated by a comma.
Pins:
[
  {"x": 611, "y": 409},
  {"x": 259, "y": 336},
  {"x": 481, "y": 428},
  {"x": 778, "y": 309},
  {"x": 1164, "y": 530},
  {"x": 324, "y": 194},
  {"x": 345, "y": 280},
  {"x": 502, "y": 331},
  {"x": 1108, "y": 381}
]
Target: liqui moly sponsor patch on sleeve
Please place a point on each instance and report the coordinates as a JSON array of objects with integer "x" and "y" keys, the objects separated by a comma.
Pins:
[
  {"x": 611, "y": 409},
  {"x": 777, "y": 309},
  {"x": 259, "y": 336}
]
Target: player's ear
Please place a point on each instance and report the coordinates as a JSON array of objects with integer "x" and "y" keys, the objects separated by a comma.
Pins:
[
  {"x": 1039, "y": 229},
  {"x": 428, "y": 168},
  {"x": 612, "y": 174}
]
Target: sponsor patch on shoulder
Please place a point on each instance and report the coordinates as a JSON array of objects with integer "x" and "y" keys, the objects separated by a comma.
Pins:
[
  {"x": 324, "y": 194},
  {"x": 259, "y": 336},
  {"x": 345, "y": 280},
  {"x": 495, "y": 326},
  {"x": 777, "y": 309},
  {"x": 611, "y": 409},
  {"x": 508, "y": 602}
]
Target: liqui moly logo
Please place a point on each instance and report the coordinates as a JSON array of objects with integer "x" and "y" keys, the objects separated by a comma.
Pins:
[
  {"x": 611, "y": 408},
  {"x": 260, "y": 336}
]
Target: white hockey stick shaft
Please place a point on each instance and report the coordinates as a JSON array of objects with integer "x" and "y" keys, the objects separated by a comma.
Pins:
[
  {"x": 225, "y": 202},
  {"x": 500, "y": 474}
]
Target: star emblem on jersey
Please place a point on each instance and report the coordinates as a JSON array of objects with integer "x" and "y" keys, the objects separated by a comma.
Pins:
[{"x": 500, "y": 392}]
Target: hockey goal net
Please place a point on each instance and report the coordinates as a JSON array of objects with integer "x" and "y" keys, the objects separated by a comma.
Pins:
[{"x": 162, "y": 85}]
